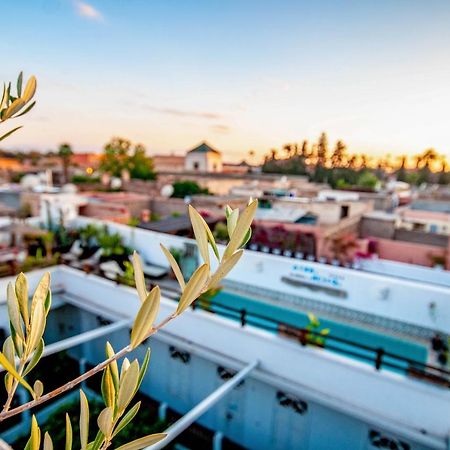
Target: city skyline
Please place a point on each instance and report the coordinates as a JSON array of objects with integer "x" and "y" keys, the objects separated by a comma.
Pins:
[{"x": 243, "y": 77}]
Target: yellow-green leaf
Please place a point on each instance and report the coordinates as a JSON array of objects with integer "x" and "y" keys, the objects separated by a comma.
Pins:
[
  {"x": 105, "y": 420},
  {"x": 35, "y": 439},
  {"x": 224, "y": 268},
  {"x": 127, "y": 387},
  {"x": 108, "y": 389},
  {"x": 193, "y": 288},
  {"x": 242, "y": 226},
  {"x": 37, "y": 327},
  {"x": 84, "y": 420},
  {"x": 13, "y": 310},
  {"x": 30, "y": 89},
  {"x": 175, "y": 267},
  {"x": 41, "y": 292},
  {"x": 125, "y": 367},
  {"x": 127, "y": 418},
  {"x": 8, "y": 351},
  {"x": 22, "y": 296},
  {"x": 210, "y": 236},
  {"x": 68, "y": 445},
  {"x": 143, "y": 368},
  {"x": 48, "y": 443},
  {"x": 232, "y": 221},
  {"x": 139, "y": 278},
  {"x": 145, "y": 317},
  {"x": 143, "y": 442},
  {"x": 15, "y": 106},
  {"x": 10, "y": 369},
  {"x": 113, "y": 366},
  {"x": 200, "y": 234}
]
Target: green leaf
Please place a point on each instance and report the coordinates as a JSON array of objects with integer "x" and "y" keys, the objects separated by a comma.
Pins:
[
  {"x": 193, "y": 288},
  {"x": 127, "y": 418},
  {"x": 143, "y": 442},
  {"x": 143, "y": 368},
  {"x": 175, "y": 267},
  {"x": 127, "y": 387},
  {"x": 139, "y": 278},
  {"x": 27, "y": 109},
  {"x": 228, "y": 211},
  {"x": 22, "y": 296},
  {"x": 200, "y": 234},
  {"x": 19, "y": 84},
  {"x": 68, "y": 445},
  {"x": 10, "y": 132},
  {"x": 48, "y": 302},
  {"x": 224, "y": 268},
  {"x": 97, "y": 442},
  {"x": 145, "y": 317},
  {"x": 246, "y": 238},
  {"x": 10, "y": 369},
  {"x": 242, "y": 226},
  {"x": 84, "y": 420},
  {"x": 8, "y": 351},
  {"x": 210, "y": 236},
  {"x": 35, "y": 358}
]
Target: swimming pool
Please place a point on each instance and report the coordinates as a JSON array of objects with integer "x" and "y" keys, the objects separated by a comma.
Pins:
[{"x": 357, "y": 334}]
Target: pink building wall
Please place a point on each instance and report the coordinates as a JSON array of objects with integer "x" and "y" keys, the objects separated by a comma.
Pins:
[{"x": 411, "y": 253}]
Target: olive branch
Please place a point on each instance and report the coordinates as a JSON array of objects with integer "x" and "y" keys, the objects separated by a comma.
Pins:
[{"x": 23, "y": 349}]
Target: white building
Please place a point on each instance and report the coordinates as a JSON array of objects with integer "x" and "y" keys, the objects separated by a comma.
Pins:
[{"x": 203, "y": 158}]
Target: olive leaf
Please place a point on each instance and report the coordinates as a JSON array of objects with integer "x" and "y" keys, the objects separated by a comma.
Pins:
[
  {"x": 10, "y": 369},
  {"x": 139, "y": 278},
  {"x": 113, "y": 365},
  {"x": 68, "y": 445},
  {"x": 175, "y": 267},
  {"x": 38, "y": 388},
  {"x": 193, "y": 288},
  {"x": 242, "y": 226},
  {"x": 22, "y": 296},
  {"x": 14, "y": 311},
  {"x": 84, "y": 420},
  {"x": 224, "y": 268},
  {"x": 105, "y": 420},
  {"x": 127, "y": 418},
  {"x": 127, "y": 387},
  {"x": 35, "y": 358},
  {"x": 48, "y": 443},
  {"x": 145, "y": 317},
  {"x": 143, "y": 442},
  {"x": 200, "y": 234}
]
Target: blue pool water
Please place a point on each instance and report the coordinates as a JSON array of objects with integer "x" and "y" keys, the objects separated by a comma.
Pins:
[{"x": 299, "y": 319}]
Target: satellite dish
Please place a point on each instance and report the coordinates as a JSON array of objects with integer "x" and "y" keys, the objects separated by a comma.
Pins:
[
  {"x": 116, "y": 183},
  {"x": 167, "y": 190}
]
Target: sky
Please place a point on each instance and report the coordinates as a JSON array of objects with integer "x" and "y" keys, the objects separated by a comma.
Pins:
[{"x": 242, "y": 74}]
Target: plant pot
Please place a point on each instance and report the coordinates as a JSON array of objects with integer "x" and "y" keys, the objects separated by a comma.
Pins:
[
  {"x": 254, "y": 247},
  {"x": 276, "y": 251},
  {"x": 288, "y": 253},
  {"x": 265, "y": 249},
  {"x": 299, "y": 255}
]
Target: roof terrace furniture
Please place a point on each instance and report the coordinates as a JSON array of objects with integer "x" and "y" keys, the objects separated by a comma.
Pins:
[
  {"x": 73, "y": 254},
  {"x": 111, "y": 270},
  {"x": 153, "y": 270},
  {"x": 90, "y": 262}
]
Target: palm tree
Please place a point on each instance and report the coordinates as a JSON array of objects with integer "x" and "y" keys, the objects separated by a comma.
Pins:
[{"x": 65, "y": 152}]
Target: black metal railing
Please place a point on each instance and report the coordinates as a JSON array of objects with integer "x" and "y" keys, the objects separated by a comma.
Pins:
[{"x": 378, "y": 357}]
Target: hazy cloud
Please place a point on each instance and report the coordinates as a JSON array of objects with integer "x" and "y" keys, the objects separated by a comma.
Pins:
[
  {"x": 88, "y": 11},
  {"x": 220, "y": 128},
  {"x": 182, "y": 113}
]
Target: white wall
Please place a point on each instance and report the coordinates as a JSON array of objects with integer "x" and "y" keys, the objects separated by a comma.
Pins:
[
  {"x": 386, "y": 296},
  {"x": 385, "y": 399}
]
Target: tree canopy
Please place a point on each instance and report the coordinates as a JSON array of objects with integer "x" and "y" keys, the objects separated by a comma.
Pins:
[{"x": 122, "y": 155}]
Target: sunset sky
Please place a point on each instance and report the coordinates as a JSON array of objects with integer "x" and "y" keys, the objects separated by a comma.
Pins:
[{"x": 242, "y": 74}]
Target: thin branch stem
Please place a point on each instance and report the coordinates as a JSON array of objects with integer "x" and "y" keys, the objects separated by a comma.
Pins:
[
  {"x": 13, "y": 387},
  {"x": 71, "y": 384}
]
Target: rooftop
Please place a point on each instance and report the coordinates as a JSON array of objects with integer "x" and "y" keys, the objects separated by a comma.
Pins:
[{"x": 204, "y": 147}]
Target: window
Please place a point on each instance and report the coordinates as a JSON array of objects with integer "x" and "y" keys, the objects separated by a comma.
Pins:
[{"x": 196, "y": 165}]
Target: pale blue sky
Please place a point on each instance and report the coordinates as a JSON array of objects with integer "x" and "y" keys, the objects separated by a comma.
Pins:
[{"x": 242, "y": 74}]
